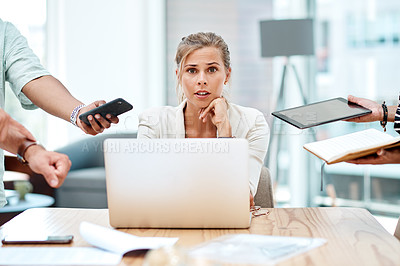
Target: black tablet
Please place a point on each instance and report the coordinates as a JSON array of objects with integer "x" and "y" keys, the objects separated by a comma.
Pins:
[{"x": 319, "y": 113}]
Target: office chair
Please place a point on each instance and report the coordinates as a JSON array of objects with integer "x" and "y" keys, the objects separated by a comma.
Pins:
[{"x": 264, "y": 196}]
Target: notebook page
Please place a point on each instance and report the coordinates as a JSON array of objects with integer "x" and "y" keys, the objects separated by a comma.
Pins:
[{"x": 333, "y": 148}]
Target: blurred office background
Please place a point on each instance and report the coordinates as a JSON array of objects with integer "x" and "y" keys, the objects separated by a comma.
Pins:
[{"x": 104, "y": 49}]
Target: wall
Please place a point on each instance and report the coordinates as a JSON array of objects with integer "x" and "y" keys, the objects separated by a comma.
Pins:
[{"x": 103, "y": 49}]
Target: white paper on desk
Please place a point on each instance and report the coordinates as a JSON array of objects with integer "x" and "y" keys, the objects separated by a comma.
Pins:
[
  {"x": 57, "y": 256},
  {"x": 254, "y": 249},
  {"x": 119, "y": 242}
]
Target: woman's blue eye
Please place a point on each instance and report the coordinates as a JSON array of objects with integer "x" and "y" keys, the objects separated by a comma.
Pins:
[
  {"x": 212, "y": 69},
  {"x": 191, "y": 70}
]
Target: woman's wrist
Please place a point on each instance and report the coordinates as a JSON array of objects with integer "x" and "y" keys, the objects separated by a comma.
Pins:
[{"x": 224, "y": 130}]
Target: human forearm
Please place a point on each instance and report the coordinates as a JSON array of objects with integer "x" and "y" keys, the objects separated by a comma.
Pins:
[
  {"x": 376, "y": 108},
  {"x": 15, "y": 138},
  {"x": 12, "y": 133},
  {"x": 224, "y": 129},
  {"x": 391, "y": 113},
  {"x": 50, "y": 94}
]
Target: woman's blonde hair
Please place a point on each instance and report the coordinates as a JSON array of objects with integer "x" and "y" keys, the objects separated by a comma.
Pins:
[{"x": 196, "y": 41}]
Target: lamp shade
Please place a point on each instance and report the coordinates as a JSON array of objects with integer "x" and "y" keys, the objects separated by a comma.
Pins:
[{"x": 287, "y": 37}]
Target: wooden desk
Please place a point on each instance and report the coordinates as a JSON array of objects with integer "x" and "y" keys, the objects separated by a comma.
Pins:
[
  {"x": 32, "y": 200},
  {"x": 354, "y": 236}
]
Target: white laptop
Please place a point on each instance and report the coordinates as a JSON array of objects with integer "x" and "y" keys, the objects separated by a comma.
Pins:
[{"x": 177, "y": 183}]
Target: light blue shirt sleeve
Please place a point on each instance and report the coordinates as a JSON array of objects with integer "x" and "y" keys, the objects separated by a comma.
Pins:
[
  {"x": 21, "y": 65},
  {"x": 2, "y": 194}
]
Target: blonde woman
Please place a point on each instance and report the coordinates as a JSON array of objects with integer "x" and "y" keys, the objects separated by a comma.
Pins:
[{"x": 203, "y": 69}]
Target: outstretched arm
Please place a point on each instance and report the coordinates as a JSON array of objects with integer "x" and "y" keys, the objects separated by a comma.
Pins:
[
  {"x": 50, "y": 94},
  {"x": 377, "y": 112},
  {"x": 52, "y": 165},
  {"x": 22, "y": 69}
]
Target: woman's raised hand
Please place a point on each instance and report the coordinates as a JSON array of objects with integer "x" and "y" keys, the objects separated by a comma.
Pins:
[{"x": 218, "y": 112}]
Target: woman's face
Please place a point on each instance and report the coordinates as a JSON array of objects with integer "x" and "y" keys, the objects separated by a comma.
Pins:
[{"x": 203, "y": 76}]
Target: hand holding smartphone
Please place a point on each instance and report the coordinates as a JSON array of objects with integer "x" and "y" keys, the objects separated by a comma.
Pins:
[
  {"x": 37, "y": 240},
  {"x": 114, "y": 107}
]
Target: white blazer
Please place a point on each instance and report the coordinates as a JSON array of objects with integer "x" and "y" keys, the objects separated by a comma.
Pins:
[{"x": 247, "y": 123}]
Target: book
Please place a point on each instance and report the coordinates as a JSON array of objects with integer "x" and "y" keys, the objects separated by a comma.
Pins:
[{"x": 352, "y": 146}]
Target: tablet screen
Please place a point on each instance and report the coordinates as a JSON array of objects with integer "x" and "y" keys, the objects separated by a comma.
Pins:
[{"x": 321, "y": 113}]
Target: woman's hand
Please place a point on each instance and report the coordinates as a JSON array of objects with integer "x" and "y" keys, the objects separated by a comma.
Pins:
[
  {"x": 377, "y": 112},
  {"x": 390, "y": 156},
  {"x": 97, "y": 123},
  {"x": 218, "y": 112}
]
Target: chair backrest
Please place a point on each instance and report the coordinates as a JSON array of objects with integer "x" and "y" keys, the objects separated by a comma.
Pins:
[
  {"x": 264, "y": 196},
  {"x": 88, "y": 152},
  {"x": 397, "y": 231}
]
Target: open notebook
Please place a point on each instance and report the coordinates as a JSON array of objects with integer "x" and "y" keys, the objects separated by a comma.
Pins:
[{"x": 352, "y": 146}]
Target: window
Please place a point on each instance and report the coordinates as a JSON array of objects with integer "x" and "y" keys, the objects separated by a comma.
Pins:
[
  {"x": 358, "y": 47},
  {"x": 29, "y": 16}
]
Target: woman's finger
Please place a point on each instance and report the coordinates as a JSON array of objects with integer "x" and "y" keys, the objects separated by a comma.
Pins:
[{"x": 205, "y": 112}]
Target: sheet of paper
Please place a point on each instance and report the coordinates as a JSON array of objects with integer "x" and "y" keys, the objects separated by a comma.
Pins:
[
  {"x": 119, "y": 242},
  {"x": 254, "y": 249},
  {"x": 57, "y": 256}
]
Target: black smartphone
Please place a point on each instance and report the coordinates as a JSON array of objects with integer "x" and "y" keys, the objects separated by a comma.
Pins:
[
  {"x": 37, "y": 240},
  {"x": 114, "y": 107}
]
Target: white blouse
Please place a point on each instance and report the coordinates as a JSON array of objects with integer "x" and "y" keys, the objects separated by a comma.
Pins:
[{"x": 248, "y": 123}]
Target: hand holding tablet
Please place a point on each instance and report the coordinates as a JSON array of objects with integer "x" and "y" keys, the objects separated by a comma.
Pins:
[{"x": 319, "y": 113}]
